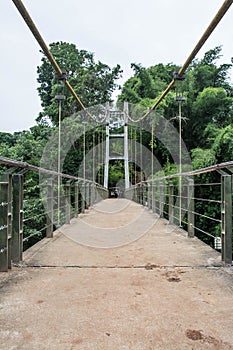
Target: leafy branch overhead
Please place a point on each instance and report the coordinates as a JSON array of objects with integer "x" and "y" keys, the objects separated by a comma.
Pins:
[{"x": 94, "y": 82}]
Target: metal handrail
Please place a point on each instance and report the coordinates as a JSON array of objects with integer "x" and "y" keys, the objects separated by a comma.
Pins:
[
  {"x": 27, "y": 166},
  {"x": 208, "y": 169}
]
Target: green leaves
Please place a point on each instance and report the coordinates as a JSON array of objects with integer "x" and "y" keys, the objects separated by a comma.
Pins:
[
  {"x": 202, "y": 158},
  {"x": 92, "y": 81}
]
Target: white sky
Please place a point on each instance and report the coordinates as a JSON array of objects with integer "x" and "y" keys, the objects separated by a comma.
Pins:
[{"x": 117, "y": 31}]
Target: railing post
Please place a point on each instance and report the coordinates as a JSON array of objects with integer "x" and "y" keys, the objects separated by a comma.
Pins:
[
  {"x": 190, "y": 204},
  {"x": 83, "y": 206},
  {"x": 149, "y": 196},
  {"x": 171, "y": 203},
  {"x": 98, "y": 194},
  {"x": 87, "y": 194},
  {"x": 161, "y": 198},
  {"x": 91, "y": 194},
  {"x": 68, "y": 202},
  {"x": 140, "y": 194},
  {"x": 226, "y": 216},
  {"x": 9, "y": 220},
  {"x": 143, "y": 194},
  {"x": 137, "y": 194},
  {"x": 49, "y": 228},
  {"x": 76, "y": 198},
  {"x": 144, "y": 199},
  {"x": 4, "y": 202},
  {"x": 17, "y": 227},
  {"x": 153, "y": 197}
]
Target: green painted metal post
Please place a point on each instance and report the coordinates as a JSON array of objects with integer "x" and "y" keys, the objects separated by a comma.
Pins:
[
  {"x": 9, "y": 220},
  {"x": 153, "y": 197},
  {"x": 89, "y": 193},
  {"x": 143, "y": 194},
  {"x": 86, "y": 194},
  {"x": 83, "y": 197},
  {"x": 171, "y": 203},
  {"x": 137, "y": 194},
  {"x": 190, "y": 205},
  {"x": 17, "y": 227},
  {"x": 149, "y": 196},
  {"x": 161, "y": 198},
  {"x": 76, "y": 200},
  {"x": 95, "y": 192},
  {"x": 157, "y": 198},
  {"x": 4, "y": 222},
  {"x": 68, "y": 202},
  {"x": 50, "y": 221},
  {"x": 226, "y": 216},
  {"x": 98, "y": 194}
]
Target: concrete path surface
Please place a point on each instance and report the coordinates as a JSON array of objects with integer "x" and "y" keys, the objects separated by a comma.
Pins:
[{"x": 117, "y": 278}]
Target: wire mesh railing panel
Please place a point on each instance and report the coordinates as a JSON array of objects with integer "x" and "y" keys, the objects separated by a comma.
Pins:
[
  {"x": 200, "y": 202},
  {"x": 33, "y": 205}
]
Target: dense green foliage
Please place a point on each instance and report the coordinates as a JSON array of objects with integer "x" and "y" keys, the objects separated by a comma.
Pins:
[
  {"x": 92, "y": 81},
  {"x": 207, "y": 121},
  {"x": 207, "y": 110},
  {"x": 207, "y": 113}
]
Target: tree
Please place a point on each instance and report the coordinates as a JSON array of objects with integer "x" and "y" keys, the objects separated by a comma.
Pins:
[
  {"x": 223, "y": 144},
  {"x": 207, "y": 91},
  {"x": 207, "y": 74},
  {"x": 93, "y": 81},
  {"x": 211, "y": 106},
  {"x": 146, "y": 84}
]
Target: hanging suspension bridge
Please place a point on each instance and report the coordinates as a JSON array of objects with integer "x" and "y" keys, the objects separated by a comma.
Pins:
[{"x": 117, "y": 273}]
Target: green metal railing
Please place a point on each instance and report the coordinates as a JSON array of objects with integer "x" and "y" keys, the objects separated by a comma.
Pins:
[
  {"x": 17, "y": 215},
  {"x": 202, "y": 205}
]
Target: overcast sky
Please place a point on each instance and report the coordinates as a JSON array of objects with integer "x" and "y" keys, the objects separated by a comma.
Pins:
[{"x": 116, "y": 31}]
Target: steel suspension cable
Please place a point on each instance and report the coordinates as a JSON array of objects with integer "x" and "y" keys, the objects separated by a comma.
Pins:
[
  {"x": 31, "y": 25},
  {"x": 224, "y": 8},
  {"x": 221, "y": 12}
]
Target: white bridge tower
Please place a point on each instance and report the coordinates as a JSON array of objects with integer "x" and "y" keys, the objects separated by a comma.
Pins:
[{"x": 116, "y": 119}]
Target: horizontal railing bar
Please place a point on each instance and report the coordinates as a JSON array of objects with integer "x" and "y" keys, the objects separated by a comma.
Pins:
[
  {"x": 190, "y": 173},
  {"x": 206, "y": 233},
  {"x": 34, "y": 217},
  {"x": 207, "y": 217},
  {"x": 24, "y": 165},
  {"x": 207, "y": 200},
  {"x": 209, "y": 184}
]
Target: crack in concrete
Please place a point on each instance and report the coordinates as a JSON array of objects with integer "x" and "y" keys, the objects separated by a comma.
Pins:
[{"x": 146, "y": 267}]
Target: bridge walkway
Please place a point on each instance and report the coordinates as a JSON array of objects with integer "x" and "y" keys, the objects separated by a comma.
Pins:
[{"x": 154, "y": 289}]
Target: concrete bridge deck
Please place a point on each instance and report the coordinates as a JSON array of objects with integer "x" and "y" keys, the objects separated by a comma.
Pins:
[{"x": 118, "y": 278}]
